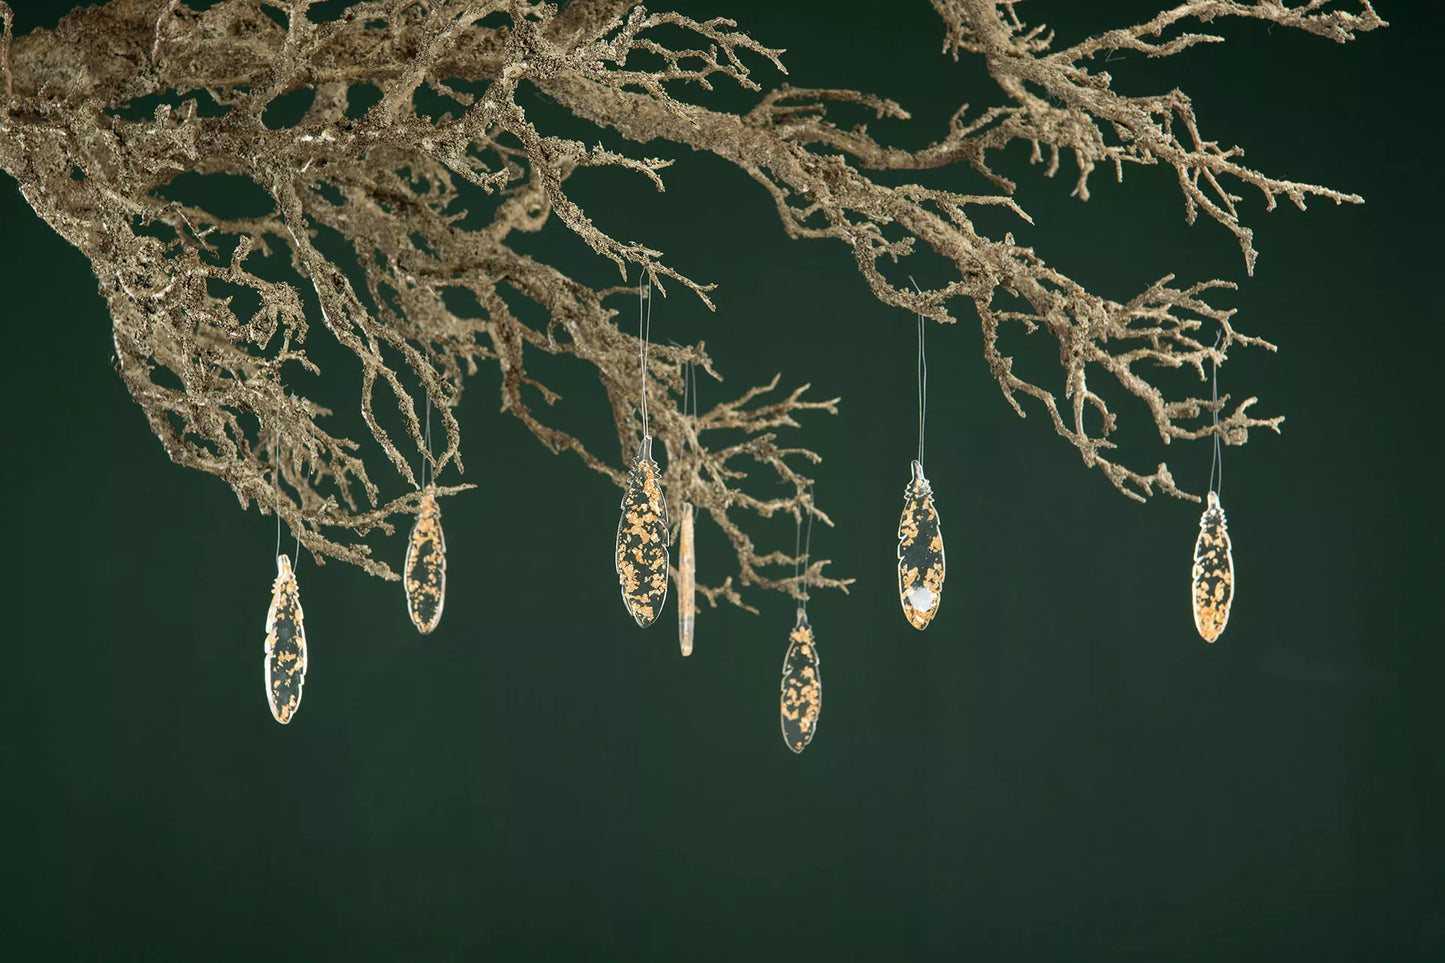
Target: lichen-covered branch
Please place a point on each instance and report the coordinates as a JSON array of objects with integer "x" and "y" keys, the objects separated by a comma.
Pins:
[{"x": 392, "y": 167}]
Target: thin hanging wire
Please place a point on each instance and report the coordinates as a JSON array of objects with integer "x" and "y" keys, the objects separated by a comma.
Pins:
[
  {"x": 644, "y": 331},
  {"x": 689, "y": 394},
  {"x": 276, "y": 487},
  {"x": 426, "y": 459},
  {"x": 922, "y": 376},
  {"x": 296, "y": 558},
  {"x": 689, "y": 389},
  {"x": 692, "y": 377},
  {"x": 1217, "y": 462},
  {"x": 276, "y": 475},
  {"x": 686, "y": 386},
  {"x": 805, "y": 549}
]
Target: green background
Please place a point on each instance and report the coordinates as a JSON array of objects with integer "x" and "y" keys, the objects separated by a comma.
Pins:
[{"x": 1058, "y": 769}]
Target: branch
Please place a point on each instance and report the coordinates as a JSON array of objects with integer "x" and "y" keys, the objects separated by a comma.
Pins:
[{"x": 371, "y": 212}]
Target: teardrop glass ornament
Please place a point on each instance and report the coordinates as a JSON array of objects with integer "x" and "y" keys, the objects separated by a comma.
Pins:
[
  {"x": 285, "y": 644},
  {"x": 642, "y": 538},
  {"x": 686, "y": 582},
  {"x": 802, "y": 695},
  {"x": 1212, "y": 581},
  {"x": 920, "y": 552},
  {"x": 425, "y": 572}
]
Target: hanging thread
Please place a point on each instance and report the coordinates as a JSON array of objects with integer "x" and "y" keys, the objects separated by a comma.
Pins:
[
  {"x": 922, "y": 374},
  {"x": 800, "y": 581},
  {"x": 276, "y": 472},
  {"x": 1218, "y": 458},
  {"x": 427, "y": 456},
  {"x": 644, "y": 333},
  {"x": 296, "y": 555}
]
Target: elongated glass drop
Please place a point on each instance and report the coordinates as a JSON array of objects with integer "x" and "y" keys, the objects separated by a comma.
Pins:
[
  {"x": 686, "y": 582},
  {"x": 642, "y": 538},
  {"x": 1212, "y": 582},
  {"x": 285, "y": 644},
  {"x": 425, "y": 573},
  {"x": 920, "y": 552},
  {"x": 802, "y": 697}
]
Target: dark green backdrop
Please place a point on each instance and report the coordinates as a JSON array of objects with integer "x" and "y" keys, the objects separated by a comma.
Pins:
[{"x": 1059, "y": 769}]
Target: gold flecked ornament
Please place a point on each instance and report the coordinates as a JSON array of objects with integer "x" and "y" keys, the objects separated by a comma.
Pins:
[
  {"x": 920, "y": 552},
  {"x": 802, "y": 695},
  {"x": 1212, "y": 581},
  {"x": 425, "y": 573},
  {"x": 686, "y": 582},
  {"x": 642, "y": 538},
  {"x": 285, "y": 644}
]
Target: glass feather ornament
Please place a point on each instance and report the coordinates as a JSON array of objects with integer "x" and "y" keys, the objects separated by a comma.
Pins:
[
  {"x": 802, "y": 695},
  {"x": 1212, "y": 581},
  {"x": 642, "y": 538},
  {"x": 285, "y": 644},
  {"x": 686, "y": 582},
  {"x": 425, "y": 573},
  {"x": 920, "y": 552}
]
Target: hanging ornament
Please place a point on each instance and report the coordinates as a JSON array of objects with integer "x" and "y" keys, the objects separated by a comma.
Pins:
[
  {"x": 285, "y": 647},
  {"x": 920, "y": 552},
  {"x": 920, "y": 540},
  {"x": 686, "y": 582},
  {"x": 642, "y": 540},
  {"x": 642, "y": 531},
  {"x": 425, "y": 572},
  {"x": 285, "y": 644},
  {"x": 687, "y": 546},
  {"x": 1212, "y": 581},
  {"x": 802, "y": 694},
  {"x": 802, "y": 698}
]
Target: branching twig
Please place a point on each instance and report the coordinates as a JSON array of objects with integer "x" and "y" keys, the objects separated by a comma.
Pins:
[{"x": 369, "y": 214}]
